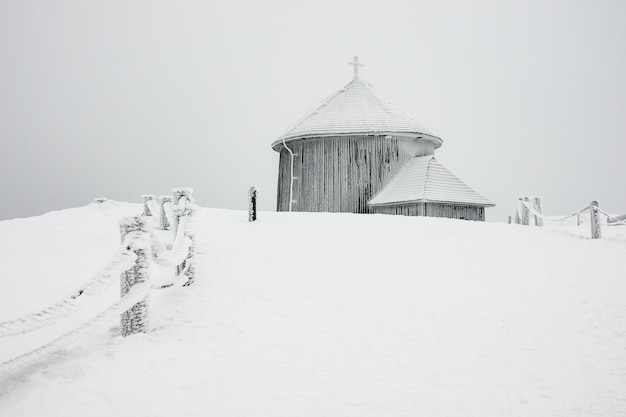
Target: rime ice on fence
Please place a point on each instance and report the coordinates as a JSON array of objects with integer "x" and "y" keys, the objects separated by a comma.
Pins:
[
  {"x": 596, "y": 231},
  {"x": 181, "y": 200},
  {"x": 134, "y": 234},
  {"x": 190, "y": 261},
  {"x": 252, "y": 196},
  {"x": 181, "y": 192},
  {"x": 518, "y": 210},
  {"x": 182, "y": 207},
  {"x": 148, "y": 204},
  {"x": 164, "y": 200},
  {"x": 525, "y": 215},
  {"x": 538, "y": 207},
  {"x": 536, "y": 210}
]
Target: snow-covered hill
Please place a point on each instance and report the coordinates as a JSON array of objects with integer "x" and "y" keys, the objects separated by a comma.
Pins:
[{"x": 327, "y": 315}]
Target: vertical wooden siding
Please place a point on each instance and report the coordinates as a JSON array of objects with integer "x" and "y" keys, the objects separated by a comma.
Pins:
[
  {"x": 340, "y": 174},
  {"x": 452, "y": 211}
]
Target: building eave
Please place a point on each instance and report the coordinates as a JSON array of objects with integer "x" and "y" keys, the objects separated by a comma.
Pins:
[
  {"x": 277, "y": 144},
  {"x": 453, "y": 203}
]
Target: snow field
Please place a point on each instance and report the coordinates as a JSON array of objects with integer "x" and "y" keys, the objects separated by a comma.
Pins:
[{"x": 330, "y": 314}]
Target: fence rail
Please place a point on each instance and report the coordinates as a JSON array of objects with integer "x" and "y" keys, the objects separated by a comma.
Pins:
[
  {"x": 146, "y": 241},
  {"x": 529, "y": 211}
]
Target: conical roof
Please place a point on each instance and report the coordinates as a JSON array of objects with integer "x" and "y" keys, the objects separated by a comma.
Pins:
[
  {"x": 424, "y": 179},
  {"x": 355, "y": 109}
]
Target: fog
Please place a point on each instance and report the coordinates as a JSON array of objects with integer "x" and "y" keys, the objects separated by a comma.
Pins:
[{"x": 117, "y": 99}]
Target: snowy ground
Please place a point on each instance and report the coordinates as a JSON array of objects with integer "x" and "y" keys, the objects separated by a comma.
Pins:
[{"x": 327, "y": 315}]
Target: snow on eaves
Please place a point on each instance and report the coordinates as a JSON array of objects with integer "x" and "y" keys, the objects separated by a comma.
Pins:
[
  {"x": 355, "y": 109},
  {"x": 424, "y": 179}
]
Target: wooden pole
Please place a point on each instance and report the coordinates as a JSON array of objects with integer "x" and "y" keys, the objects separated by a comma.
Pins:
[
  {"x": 180, "y": 195},
  {"x": 596, "y": 231},
  {"x": 252, "y": 196},
  {"x": 538, "y": 206},
  {"x": 165, "y": 223},
  {"x": 182, "y": 199},
  {"x": 147, "y": 198},
  {"x": 510, "y": 220},
  {"x": 525, "y": 212},
  {"x": 135, "y": 319},
  {"x": 190, "y": 261},
  {"x": 518, "y": 211}
]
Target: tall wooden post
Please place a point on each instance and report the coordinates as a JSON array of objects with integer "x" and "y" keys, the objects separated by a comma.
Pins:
[
  {"x": 252, "y": 195},
  {"x": 179, "y": 194},
  {"x": 518, "y": 211},
  {"x": 148, "y": 200},
  {"x": 538, "y": 206},
  {"x": 525, "y": 212},
  {"x": 190, "y": 260},
  {"x": 135, "y": 319},
  {"x": 165, "y": 223},
  {"x": 596, "y": 231},
  {"x": 180, "y": 197}
]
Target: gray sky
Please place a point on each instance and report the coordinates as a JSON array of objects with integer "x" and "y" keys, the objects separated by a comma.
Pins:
[{"x": 121, "y": 98}]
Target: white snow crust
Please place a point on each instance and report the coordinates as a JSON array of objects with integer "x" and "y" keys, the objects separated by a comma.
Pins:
[{"x": 315, "y": 314}]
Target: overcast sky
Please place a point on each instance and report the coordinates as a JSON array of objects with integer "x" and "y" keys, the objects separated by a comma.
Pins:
[{"x": 123, "y": 98}]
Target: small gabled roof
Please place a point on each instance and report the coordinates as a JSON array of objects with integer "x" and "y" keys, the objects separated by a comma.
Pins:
[
  {"x": 355, "y": 109},
  {"x": 424, "y": 179}
]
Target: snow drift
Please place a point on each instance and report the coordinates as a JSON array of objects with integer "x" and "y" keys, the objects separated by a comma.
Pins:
[{"x": 304, "y": 314}]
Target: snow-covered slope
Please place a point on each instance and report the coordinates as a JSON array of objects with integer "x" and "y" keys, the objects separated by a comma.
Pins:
[{"x": 305, "y": 314}]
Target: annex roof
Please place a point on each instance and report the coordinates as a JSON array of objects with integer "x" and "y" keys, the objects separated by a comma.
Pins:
[
  {"x": 355, "y": 109},
  {"x": 424, "y": 179}
]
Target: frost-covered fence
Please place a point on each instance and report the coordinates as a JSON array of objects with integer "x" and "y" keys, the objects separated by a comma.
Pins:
[
  {"x": 594, "y": 213},
  {"x": 150, "y": 256},
  {"x": 165, "y": 208},
  {"x": 149, "y": 205},
  {"x": 529, "y": 211},
  {"x": 168, "y": 242},
  {"x": 252, "y": 196},
  {"x": 135, "y": 319}
]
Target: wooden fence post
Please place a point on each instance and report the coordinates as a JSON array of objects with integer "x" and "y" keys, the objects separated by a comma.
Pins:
[
  {"x": 165, "y": 199},
  {"x": 525, "y": 211},
  {"x": 596, "y": 231},
  {"x": 178, "y": 195},
  {"x": 135, "y": 319},
  {"x": 147, "y": 198},
  {"x": 509, "y": 220},
  {"x": 538, "y": 206},
  {"x": 181, "y": 194},
  {"x": 190, "y": 260},
  {"x": 252, "y": 196},
  {"x": 518, "y": 210}
]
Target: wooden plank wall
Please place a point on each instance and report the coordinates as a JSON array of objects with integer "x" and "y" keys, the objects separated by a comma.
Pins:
[
  {"x": 415, "y": 209},
  {"x": 341, "y": 174},
  {"x": 452, "y": 211}
]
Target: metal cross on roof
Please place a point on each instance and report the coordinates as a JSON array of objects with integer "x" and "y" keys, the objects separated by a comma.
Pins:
[{"x": 356, "y": 65}]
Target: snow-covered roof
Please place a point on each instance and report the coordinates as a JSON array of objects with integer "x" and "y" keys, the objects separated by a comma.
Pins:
[
  {"x": 355, "y": 109},
  {"x": 424, "y": 179}
]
